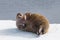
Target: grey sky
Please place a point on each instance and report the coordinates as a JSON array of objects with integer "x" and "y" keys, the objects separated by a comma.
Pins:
[{"x": 49, "y": 8}]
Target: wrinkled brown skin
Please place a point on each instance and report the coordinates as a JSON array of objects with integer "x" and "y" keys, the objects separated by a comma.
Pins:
[
  {"x": 20, "y": 20},
  {"x": 36, "y": 23}
]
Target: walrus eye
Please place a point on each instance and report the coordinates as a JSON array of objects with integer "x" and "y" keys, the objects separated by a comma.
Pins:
[{"x": 20, "y": 14}]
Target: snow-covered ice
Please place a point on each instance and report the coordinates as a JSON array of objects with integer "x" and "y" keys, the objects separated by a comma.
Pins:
[{"x": 9, "y": 31}]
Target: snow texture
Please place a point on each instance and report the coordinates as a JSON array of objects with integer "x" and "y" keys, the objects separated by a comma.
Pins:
[{"x": 9, "y": 31}]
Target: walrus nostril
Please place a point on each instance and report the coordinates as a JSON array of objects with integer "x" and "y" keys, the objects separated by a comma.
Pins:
[{"x": 24, "y": 25}]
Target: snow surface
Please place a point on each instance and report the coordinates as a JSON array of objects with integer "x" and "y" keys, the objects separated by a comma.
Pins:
[{"x": 9, "y": 31}]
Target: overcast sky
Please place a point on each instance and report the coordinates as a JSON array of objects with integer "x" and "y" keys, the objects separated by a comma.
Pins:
[{"x": 49, "y": 8}]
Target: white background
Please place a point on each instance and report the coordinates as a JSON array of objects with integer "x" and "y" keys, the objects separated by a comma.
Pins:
[{"x": 9, "y": 31}]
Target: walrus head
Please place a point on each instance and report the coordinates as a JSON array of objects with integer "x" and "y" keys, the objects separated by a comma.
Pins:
[{"x": 20, "y": 21}]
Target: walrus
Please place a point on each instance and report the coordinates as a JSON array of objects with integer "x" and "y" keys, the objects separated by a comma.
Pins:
[{"x": 32, "y": 22}]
